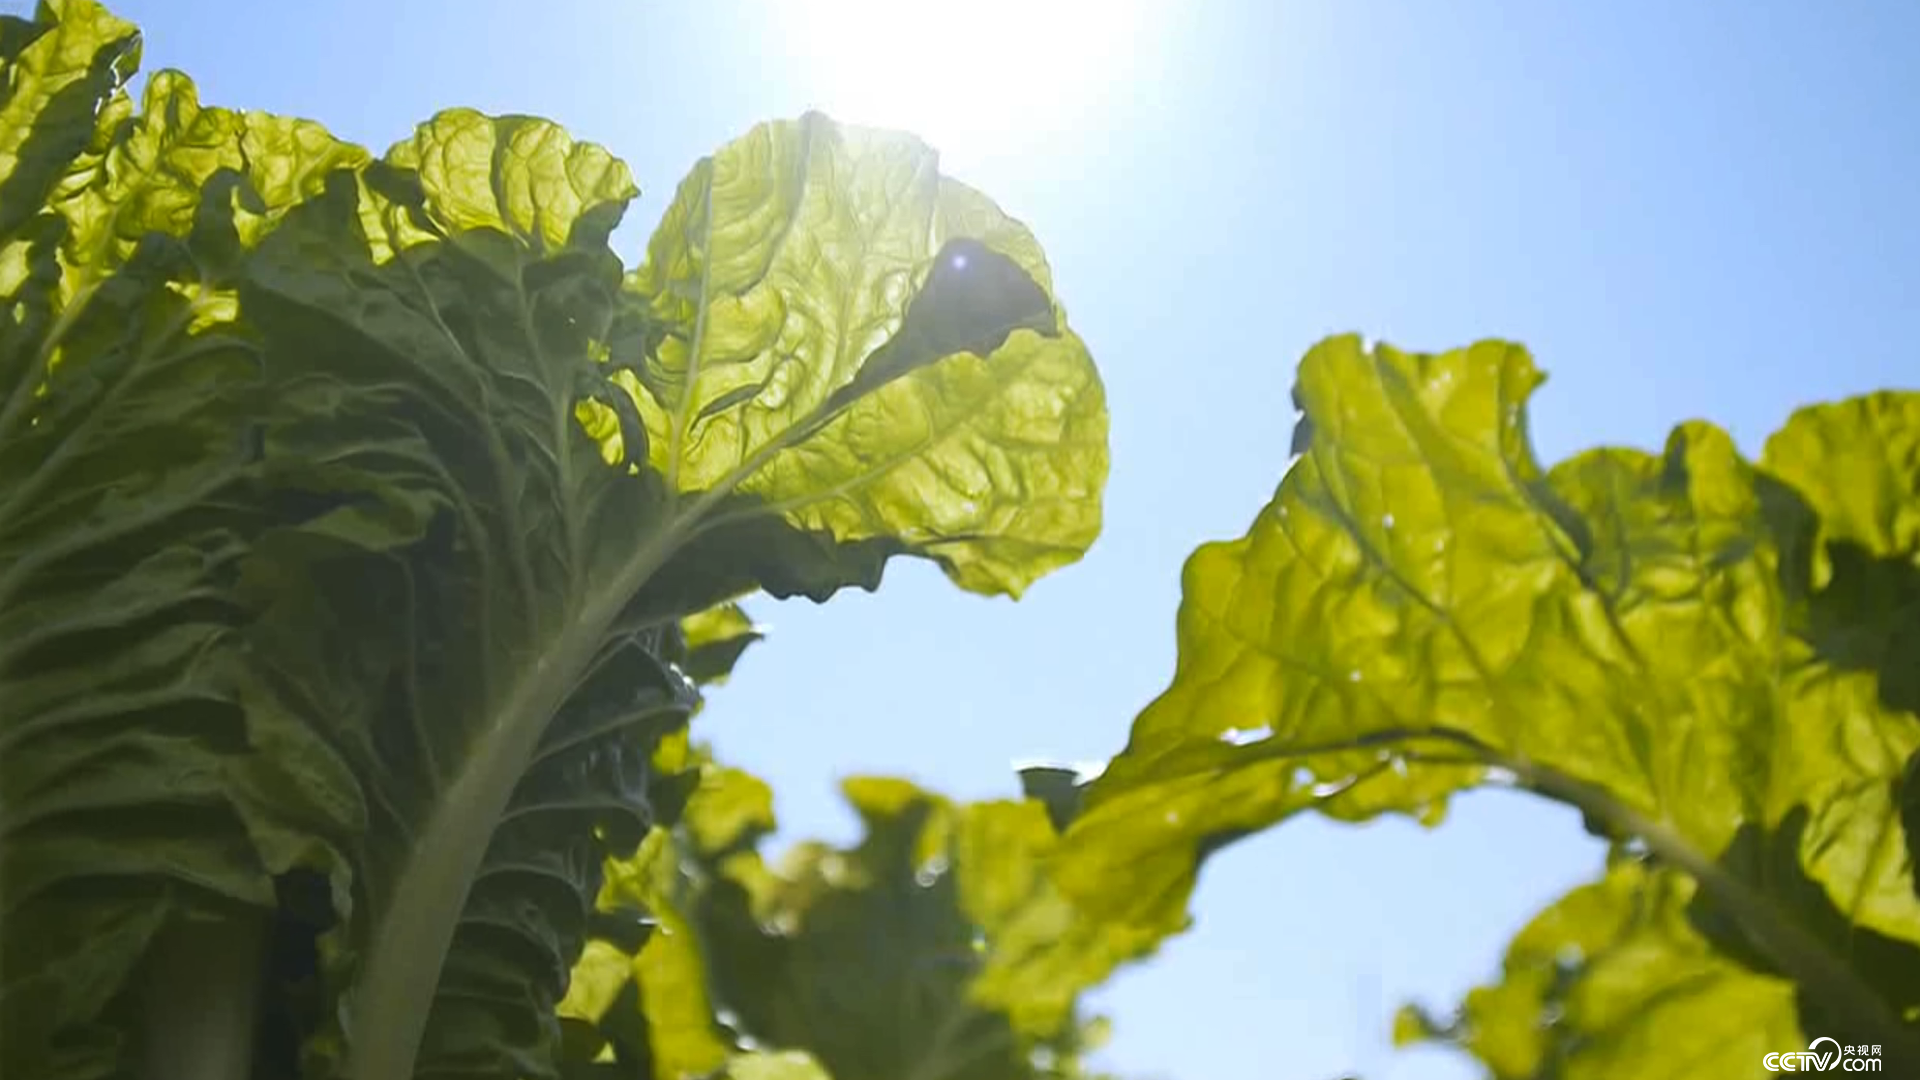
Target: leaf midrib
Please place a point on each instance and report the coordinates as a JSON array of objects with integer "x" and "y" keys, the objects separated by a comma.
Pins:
[{"x": 411, "y": 940}]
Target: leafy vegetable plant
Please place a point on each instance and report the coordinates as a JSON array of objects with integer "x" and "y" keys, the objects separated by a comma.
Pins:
[
  {"x": 349, "y": 506},
  {"x": 930, "y": 950},
  {"x": 368, "y": 530},
  {"x": 1713, "y": 659}
]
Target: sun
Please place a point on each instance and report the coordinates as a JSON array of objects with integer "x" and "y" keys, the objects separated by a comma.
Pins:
[{"x": 979, "y": 79}]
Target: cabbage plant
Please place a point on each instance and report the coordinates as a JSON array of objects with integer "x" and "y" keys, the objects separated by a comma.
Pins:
[{"x": 350, "y": 504}]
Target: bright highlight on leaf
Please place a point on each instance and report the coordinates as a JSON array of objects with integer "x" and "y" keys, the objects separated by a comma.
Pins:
[{"x": 817, "y": 358}]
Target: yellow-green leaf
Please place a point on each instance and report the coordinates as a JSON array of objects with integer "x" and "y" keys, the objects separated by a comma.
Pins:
[
  {"x": 777, "y": 1065},
  {"x": 937, "y": 946},
  {"x": 1613, "y": 980},
  {"x": 781, "y": 278},
  {"x": 1423, "y": 607},
  {"x": 715, "y": 639}
]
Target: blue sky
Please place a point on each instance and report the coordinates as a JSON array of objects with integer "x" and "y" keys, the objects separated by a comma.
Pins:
[{"x": 1701, "y": 209}]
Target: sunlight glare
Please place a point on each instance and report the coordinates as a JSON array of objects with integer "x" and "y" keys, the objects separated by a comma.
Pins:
[{"x": 979, "y": 79}]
